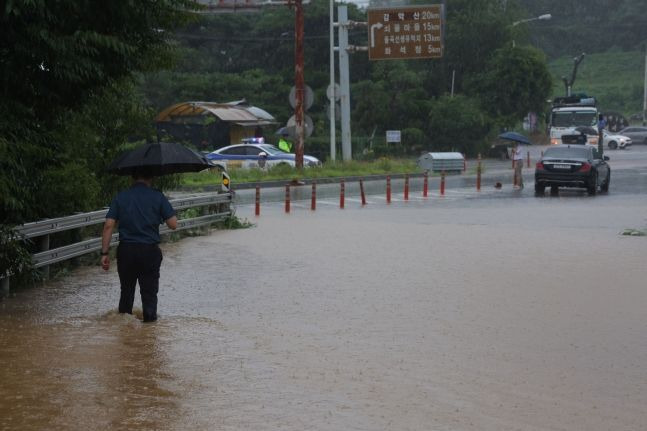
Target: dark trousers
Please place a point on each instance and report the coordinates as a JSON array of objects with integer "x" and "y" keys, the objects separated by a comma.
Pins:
[{"x": 139, "y": 262}]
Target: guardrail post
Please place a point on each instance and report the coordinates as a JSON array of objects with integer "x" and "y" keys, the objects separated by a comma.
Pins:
[
  {"x": 4, "y": 286},
  {"x": 43, "y": 245}
]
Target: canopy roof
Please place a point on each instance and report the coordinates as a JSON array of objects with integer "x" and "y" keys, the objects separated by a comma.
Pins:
[{"x": 238, "y": 112}]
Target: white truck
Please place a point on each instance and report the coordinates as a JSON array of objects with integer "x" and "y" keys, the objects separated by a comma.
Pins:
[{"x": 570, "y": 115}]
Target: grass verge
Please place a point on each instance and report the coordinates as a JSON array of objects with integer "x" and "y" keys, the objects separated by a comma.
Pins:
[{"x": 381, "y": 166}]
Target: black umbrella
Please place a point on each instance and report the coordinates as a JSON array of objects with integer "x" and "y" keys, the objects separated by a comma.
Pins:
[
  {"x": 157, "y": 159},
  {"x": 515, "y": 137},
  {"x": 287, "y": 131},
  {"x": 587, "y": 130}
]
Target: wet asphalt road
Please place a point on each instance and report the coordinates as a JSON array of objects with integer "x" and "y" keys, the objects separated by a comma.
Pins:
[{"x": 629, "y": 176}]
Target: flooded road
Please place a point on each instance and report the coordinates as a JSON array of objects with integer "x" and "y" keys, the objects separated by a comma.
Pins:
[{"x": 459, "y": 314}]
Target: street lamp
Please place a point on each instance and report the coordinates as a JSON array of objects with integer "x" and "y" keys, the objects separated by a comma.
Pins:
[{"x": 545, "y": 16}]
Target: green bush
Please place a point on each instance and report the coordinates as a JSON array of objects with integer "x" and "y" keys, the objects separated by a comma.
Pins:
[{"x": 15, "y": 258}]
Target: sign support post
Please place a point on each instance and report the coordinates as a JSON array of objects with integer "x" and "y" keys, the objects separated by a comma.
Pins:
[
  {"x": 333, "y": 149},
  {"x": 344, "y": 83}
]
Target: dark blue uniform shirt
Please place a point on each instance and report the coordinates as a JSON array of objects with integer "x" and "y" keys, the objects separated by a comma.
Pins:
[{"x": 140, "y": 210}]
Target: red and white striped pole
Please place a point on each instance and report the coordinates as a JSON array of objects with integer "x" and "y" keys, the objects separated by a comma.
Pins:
[
  {"x": 388, "y": 189},
  {"x": 406, "y": 187},
  {"x": 287, "y": 198},
  {"x": 425, "y": 184},
  {"x": 342, "y": 188},
  {"x": 257, "y": 209},
  {"x": 361, "y": 191},
  {"x": 442, "y": 183},
  {"x": 313, "y": 199}
]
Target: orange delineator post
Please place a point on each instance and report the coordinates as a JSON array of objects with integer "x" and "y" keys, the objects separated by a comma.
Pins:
[
  {"x": 361, "y": 191},
  {"x": 406, "y": 187},
  {"x": 341, "y": 194},
  {"x": 478, "y": 175},
  {"x": 425, "y": 184},
  {"x": 257, "y": 210},
  {"x": 442, "y": 183},
  {"x": 313, "y": 200},
  {"x": 287, "y": 198}
]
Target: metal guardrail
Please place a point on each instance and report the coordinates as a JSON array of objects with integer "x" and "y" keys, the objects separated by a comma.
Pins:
[
  {"x": 54, "y": 225},
  {"x": 50, "y": 226}
]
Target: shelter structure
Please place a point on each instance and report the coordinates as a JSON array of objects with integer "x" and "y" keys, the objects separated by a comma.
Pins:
[{"x": 212, "y": 125}]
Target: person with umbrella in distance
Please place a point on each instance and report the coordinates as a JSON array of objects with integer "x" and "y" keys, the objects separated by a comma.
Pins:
[
  {"x": 138, "y": 211},
  {"x": 517, "y": 157},
  {"x": 284, "y": 144}
]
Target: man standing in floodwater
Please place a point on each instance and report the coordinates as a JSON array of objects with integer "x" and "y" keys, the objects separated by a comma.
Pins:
[
  {"x": 139, "y": 210},
  {"x": 517, "y": 157}
]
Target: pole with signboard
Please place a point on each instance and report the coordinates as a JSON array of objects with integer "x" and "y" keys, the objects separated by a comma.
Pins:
[
  {"x": 344, "y": 82},
  {"x": 409, "y": 32},
  {"x": 331, "y": 97},
  {"x": 299, "y": 82}
]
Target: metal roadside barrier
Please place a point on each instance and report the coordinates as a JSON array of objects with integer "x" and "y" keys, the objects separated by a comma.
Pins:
[
  {"x": 43, "y": 228},
  {"x": 442, "y": 162}
]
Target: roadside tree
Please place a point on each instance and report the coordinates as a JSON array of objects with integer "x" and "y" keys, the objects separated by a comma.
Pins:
[
  {"x": 516, "y": 81},
  {"x": 458, "y": 124}
]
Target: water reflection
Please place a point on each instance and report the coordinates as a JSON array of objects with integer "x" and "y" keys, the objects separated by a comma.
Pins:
[
  {"x": 462, "y": 315},
  {"x": 103, "y": 372}
]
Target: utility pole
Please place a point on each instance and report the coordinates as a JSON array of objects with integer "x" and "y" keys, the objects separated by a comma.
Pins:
[
  {"x": 299, "y": 82},
  {"x": 333, "y": 149},
  {"x": 645, "y": 91},
  {"x": 344, "y": 82}
]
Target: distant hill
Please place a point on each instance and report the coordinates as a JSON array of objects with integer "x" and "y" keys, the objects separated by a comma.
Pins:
[
  {"x": 614, "y": 78},
  {"x": 590, "y": 26}
]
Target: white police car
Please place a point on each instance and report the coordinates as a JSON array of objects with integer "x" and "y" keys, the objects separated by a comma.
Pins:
[{"x": 255, "y": 153}]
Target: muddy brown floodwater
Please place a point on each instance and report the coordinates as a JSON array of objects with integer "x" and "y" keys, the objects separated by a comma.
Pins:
[{"x": 504, "y": 314}]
